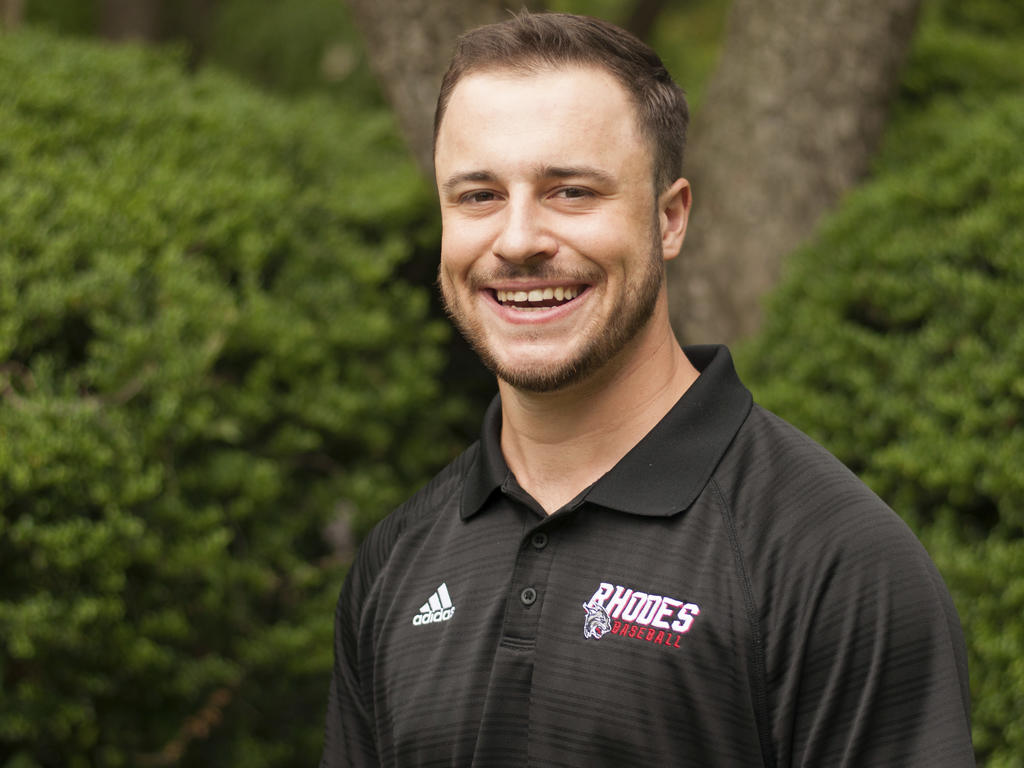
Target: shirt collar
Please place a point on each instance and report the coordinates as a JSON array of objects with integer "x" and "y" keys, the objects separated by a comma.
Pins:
[{"x": 662, "y": 474}]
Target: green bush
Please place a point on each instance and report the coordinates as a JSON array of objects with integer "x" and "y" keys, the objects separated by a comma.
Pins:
[
  {"x": 898, "y": 336},
  {"x": 897, "y": 340},
  {"x": 205, "y": 357},
  {"x": 985, "y": 575}
]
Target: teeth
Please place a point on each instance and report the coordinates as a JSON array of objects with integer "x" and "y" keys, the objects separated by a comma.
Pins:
[{"x": 538, "y": 294}]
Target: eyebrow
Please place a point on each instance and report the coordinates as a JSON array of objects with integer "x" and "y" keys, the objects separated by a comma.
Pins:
[
  {"x": 469, "y": 176},
  {"x": 574, "y": 172},
  {"x": 542, "y": 172}
]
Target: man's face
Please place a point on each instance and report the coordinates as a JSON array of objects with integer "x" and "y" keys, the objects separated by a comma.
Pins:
[{"x": 551, "y": 257}]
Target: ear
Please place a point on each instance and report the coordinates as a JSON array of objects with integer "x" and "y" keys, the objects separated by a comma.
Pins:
[{"x": 673, "y": 215}]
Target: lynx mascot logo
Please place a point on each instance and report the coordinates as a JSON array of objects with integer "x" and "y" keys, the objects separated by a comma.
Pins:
[{"x": 596, "y": 623}]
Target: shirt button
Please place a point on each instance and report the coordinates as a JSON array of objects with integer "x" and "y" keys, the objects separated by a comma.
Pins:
[
  {"x": 528, "y": 596},
  {"x": 540, "y": 540}
]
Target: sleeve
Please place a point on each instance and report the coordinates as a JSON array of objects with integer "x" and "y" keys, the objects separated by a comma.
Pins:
[
  {"x": 349, "y": 740},
  {"x": 869, "y": 666}
]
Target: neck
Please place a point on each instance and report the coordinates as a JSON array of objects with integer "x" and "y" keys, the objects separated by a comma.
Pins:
[{"x": 558, "y": 443}]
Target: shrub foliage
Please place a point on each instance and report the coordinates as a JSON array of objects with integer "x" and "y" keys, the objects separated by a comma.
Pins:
[
  {"x": 897, "y": 340},
  {"x": 205, "y": 355}
]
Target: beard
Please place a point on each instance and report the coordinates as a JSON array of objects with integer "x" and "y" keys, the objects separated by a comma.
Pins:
[{"x": 603, "y": 340}]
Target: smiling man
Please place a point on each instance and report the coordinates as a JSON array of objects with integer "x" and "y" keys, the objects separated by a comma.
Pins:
[{"x": 634, "y": 564}]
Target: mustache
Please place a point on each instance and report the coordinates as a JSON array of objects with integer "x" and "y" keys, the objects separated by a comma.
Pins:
[{"x": 541, "y": 272}]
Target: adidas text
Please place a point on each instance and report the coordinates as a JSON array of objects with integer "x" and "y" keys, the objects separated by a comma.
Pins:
[{"x": 437, "y": 608}]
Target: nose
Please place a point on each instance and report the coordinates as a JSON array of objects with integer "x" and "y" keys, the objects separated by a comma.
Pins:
[{"x": 524, "y": 235}]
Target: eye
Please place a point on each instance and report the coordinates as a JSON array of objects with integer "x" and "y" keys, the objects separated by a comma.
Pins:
[
  {"x": 573, "y": 192},
  {"x": 478, "y": 196}
]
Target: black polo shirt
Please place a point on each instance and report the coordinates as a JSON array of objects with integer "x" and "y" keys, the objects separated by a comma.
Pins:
[{"x": 727, "y": 595}]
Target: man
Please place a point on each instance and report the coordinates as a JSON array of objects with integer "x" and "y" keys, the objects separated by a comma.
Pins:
[{"x": 634, "y": 565}]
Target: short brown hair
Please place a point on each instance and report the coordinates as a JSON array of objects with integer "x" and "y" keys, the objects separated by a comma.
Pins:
[{"x": 532, "y": 42}]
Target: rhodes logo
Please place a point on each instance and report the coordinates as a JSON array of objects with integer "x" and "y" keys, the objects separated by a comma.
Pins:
[{"x": 655, "y": 619}]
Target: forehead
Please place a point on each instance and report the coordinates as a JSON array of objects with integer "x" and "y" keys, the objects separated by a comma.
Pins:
[{"x": 545, "y": 116}]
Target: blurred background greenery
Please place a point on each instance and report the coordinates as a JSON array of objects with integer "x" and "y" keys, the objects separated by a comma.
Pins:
[{"x": 222, "y": 357}]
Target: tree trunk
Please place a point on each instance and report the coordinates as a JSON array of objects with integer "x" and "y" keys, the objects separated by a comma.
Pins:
[
  {"x": 189, "y": 20},
  {"x": 789, "y": 122},
  {"x": 641, "y": 17},
  {"x": 409, "y": 43},
  {"x": 130, "y": 19},
  {"x": 12, "y": 12},
  {"x": 155, "y": 20}
]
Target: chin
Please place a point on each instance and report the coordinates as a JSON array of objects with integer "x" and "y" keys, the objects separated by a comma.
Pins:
[{"x": 538, "y": 375}]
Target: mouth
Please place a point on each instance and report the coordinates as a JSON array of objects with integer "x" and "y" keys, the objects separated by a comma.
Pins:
[{"x": 538, "y": 298}]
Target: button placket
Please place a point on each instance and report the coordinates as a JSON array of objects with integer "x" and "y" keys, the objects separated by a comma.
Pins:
[{"x": 529, "y": 580}]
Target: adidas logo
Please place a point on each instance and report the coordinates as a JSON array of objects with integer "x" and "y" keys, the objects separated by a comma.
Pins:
[{"x": 437, "y": 608}]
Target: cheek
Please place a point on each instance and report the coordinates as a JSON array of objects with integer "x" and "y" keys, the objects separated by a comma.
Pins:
[
  {"x": 453, "y": 272},
  {"x": 607, "y": 247},
  {"x": 610, "y": 234},
  {"x": 452, "y": 257},
  {"x": 460, "y": 246},
  {"x": 445, "y": 275},
  {"x": 455, "y": 268}
]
